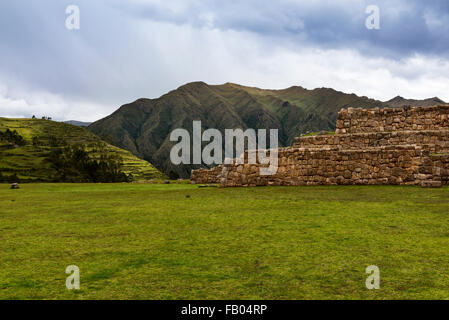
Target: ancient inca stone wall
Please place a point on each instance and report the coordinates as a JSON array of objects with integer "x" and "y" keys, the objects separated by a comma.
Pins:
[
  {"x": 413, "y": 151},
  {"x": 299, "y": 166},
  {"x": 440, "y": 168},
  {"x": 206, "y": 175},
  {"x": 436, "y": 140},
  {"x": 392, "y": 119}
]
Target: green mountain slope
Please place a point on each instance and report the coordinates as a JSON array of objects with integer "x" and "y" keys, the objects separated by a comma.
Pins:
[
  {"x": 30, "y": 160},
  {"x": 143, "y": 127}
]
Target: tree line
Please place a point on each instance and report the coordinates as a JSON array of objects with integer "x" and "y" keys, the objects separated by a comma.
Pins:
[
  {"x": 71, "y": 163},
  {"x": 74, "y": 164}
]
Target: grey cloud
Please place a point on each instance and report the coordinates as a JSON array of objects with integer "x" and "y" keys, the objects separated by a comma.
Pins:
[
  {"x": 327, "y": 24},
  {"x": 37, "y": 49},
  {"x": 137, "y": 48}
]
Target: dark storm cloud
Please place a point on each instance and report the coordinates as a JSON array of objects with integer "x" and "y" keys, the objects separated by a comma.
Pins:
[
  {"x": 36, "y": 47},
  {"x": 407, "y": 26}
]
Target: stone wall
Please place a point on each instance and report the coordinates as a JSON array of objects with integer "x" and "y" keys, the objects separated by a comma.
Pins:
[
  {"x": 436, "y": 140},
  {"x": 392, "y": 119},
  {"x": 440, "y": 168},
  {"x": 206, "y": 176},
  {"x": 417, "y": 155},
  {"x": 331, "y": 166}
]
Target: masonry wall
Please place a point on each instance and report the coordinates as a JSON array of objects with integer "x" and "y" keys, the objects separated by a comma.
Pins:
[
  {"x": 206, "y": 176},
  {"x": 435, "y": 140},
  {"x": 299, "y": 166},
  {"x": 440, "y": 168},
  {"x": 407, "y": 146},
  {"x": 392, "y": 119}
]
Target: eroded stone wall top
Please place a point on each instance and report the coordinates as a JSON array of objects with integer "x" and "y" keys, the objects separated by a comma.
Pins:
[{"x": 357, "y": 120}]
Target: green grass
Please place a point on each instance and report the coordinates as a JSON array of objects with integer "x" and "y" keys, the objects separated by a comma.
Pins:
[
  {"x": 29, "y": 161},
  {"x": 140, "y": 241}
]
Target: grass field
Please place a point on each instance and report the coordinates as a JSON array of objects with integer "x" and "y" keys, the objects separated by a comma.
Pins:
[{"x": 140, "y": 241}]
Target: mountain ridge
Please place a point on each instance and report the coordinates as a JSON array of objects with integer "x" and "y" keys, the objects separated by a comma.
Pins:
[
  {"x": 78, "y": 123},
  {"x": 399, "y": 101},
  {"x": 143, "y": 126}
]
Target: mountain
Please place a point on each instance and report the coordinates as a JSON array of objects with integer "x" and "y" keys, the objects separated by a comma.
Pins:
[
  {"x": 143, "y": 126},
  {"x": 28, "y": 146},
  {"x": 400, "y": 102},
  {"x": 78, "y": 123}
]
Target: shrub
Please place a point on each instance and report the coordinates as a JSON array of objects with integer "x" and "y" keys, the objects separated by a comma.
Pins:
[
  {"x": 36, "y": 141},
  {"x": 12, "y": 137},
  {"x": 173, "y": 175},
  {"x": 54, "y": 141}
]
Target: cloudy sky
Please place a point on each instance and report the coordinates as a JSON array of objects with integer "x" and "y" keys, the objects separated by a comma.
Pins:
[{"x": 125, "y": 50}]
